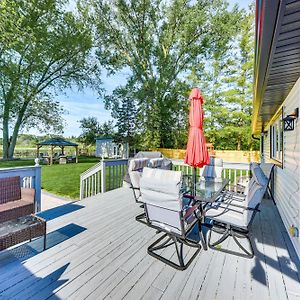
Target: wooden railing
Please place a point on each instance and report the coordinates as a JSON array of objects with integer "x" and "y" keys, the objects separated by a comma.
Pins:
[
  {"x": 30, "y": 178},
  {"x": 108, "y": 175},
  {"x": 231, "y": 171},
  {"x": 104, "y": 176}
]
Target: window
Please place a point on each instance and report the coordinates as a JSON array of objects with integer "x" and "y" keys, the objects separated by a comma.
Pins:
[{"x": 277, "y": 140}]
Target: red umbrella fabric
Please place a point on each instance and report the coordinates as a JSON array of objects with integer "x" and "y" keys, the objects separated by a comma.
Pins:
[{"x": 196, "y": 151}]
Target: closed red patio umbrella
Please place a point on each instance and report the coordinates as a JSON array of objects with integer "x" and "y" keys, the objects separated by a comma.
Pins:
[{"x": 196, "y": 152}]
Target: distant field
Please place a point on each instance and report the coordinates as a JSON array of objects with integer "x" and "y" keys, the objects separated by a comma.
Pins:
[
  {"x": 30, "y": 152},
  {"x": 63, "y": 180}
]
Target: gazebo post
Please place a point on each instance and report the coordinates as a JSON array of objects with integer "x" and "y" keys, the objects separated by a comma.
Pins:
[
  {"x": 37, "y": 151},
  {"x": 63, "y": 150},
  {"x": 51, "y": 156},
  {"x": 76, "y": 149}
]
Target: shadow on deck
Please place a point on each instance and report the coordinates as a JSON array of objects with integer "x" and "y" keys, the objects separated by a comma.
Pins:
[{"x": 102, "y": 253}]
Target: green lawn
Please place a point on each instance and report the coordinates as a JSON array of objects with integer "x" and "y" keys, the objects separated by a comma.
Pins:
[{"x": 63, "y": 180}]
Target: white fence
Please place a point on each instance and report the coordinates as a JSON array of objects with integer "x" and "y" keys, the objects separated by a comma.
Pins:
[
  {"x": 108, "y": 175},
  {"x": 104, "y": 176},
  {"x": 30, "y": 178},
  {"x": 231, "y": 171}
]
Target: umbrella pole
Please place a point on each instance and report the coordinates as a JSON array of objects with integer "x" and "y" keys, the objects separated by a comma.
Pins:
[{"x": 194, "y": 181}]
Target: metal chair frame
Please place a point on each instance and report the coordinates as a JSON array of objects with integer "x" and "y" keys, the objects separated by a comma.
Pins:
[
  {"x": 178, "y": 240},
  {"x": 229, "y": 230}
]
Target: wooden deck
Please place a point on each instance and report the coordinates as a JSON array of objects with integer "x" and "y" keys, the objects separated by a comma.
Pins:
[{"x": 97, "y": 250}]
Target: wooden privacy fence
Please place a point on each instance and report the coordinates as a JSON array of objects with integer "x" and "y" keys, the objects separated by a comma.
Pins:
[
  {"x": 108, "y": 175},
  {"x": 226, "y": 155},
  {"x": 30, "y": 178}
]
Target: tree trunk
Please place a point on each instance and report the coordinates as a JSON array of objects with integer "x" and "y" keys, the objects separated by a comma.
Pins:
[
  {"x": 13, "y": 140},
  {"x": 239, "y": 143},
  {"x": 5, "y": 130},
  {"x": 12, "y": 145},
  {"x": 5, "y": 138}
]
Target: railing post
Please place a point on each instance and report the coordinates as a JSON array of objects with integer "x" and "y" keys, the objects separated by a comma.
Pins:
[
  {"x": 81, "y": 188},
  {"x": 103, "y": 177},
  {"x": 37, "y": 186}
]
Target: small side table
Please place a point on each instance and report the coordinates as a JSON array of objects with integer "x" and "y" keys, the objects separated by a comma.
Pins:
[{"x": 22, "y": 229}]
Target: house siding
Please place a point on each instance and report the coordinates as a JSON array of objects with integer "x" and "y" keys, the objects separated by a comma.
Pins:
[{"x": 287, "y": 179}]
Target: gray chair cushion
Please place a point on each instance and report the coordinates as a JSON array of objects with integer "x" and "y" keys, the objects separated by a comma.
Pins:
[
  {"x": 161, "y": 188},
  {"x": 137, "y": 164},
  {"x": 162, "y": 195},
  {"x": 234, "y": 216},
  {"x": 164, "y": 218},
  {"x": 259, "y": 176},
  {"x": 155, "y": 162},
  {"x": 214, "y": 169},
  {"x": 135, "y": 169},
  {"x": 238, "y": 216},
  {"x": 148, "y": 154},
  {"x": 267, "y": 169}
]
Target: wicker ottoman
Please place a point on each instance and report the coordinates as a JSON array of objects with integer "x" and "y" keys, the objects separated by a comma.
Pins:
[{"x": 20, "y": 230}]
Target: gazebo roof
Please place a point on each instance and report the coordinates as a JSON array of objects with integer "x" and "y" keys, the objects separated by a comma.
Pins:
[{"x": 57, "y": 142}]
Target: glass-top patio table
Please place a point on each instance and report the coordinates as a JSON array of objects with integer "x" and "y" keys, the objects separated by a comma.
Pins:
[
  {"x": 207, "y": 188},
  {"x": 207, "y": 191}
]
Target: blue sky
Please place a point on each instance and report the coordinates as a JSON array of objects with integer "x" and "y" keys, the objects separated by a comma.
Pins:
[{"x": 87, "y": 103}]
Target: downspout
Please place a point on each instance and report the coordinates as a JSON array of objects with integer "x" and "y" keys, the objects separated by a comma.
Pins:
[
  {"x": 261, "y": 146},
  {"x": 255, "y": 138}
]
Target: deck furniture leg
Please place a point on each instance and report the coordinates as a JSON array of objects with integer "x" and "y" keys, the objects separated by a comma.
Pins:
[
  {"x": 160, "y": 244},
  {"x": 45, "y": 241}
]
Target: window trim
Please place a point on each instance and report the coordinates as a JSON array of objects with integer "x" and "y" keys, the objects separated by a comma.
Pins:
[{"x": 274, "y": 157}]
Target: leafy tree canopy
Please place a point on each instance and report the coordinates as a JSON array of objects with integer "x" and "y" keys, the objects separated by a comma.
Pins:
[
  {"x": 91, "y": 129},
  {"x": 43, "y": 50},
  {"x": 166, "y": 48},
  {"x": 159, "y": 42}
]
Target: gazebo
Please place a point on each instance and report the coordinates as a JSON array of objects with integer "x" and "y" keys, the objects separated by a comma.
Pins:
[{"x": 57, "y": 142}]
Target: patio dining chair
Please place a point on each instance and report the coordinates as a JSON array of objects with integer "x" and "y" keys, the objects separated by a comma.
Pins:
[
  {"x": 169, "y": 213},
  {"x": 233, "y": 217},
  {"x": 243, "y": 181},
  {"x": 214, "y": 169},
  {"x": 135, "y": 171},
  {"x": 268, "y": 169},
  {"x": 156, "y": 162}
]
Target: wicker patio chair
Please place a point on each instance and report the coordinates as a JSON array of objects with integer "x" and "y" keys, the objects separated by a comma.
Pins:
[
  {"x": 15, "y": 201},
  {"x": 233, "y": 216},
  {"x": 169, "y": 214}
]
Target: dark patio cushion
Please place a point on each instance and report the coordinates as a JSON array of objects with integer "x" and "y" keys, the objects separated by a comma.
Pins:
[
  {"x": 15, "y": 209},
  {"x": 10, "y": 189}
]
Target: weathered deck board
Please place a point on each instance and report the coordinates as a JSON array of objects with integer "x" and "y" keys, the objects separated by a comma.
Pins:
[{"x": 97, "y": 250}]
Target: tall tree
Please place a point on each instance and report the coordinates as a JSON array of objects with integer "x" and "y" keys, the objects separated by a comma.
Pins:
[
  {"x": 239, "y": 92},
  {"x": 43, "y": 50},
  {"x": 159, "y": 42},
  {"x": 91, "y": 129},
  {"x": 123, "y": 106},
  {"x": 227, "y": 81}
]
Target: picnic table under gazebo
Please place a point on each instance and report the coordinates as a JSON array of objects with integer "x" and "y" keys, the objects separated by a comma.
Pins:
[{"x": 57, "y": 142}]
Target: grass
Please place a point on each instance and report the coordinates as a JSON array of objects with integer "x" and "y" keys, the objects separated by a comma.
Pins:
[
  {"x": 16, "y": 163},
  {"x": 63, "y": 180}
]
